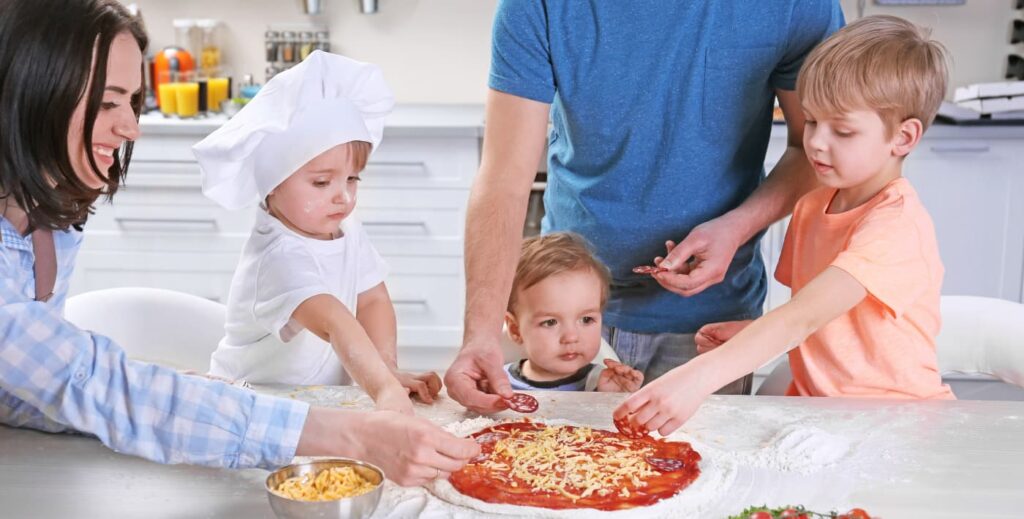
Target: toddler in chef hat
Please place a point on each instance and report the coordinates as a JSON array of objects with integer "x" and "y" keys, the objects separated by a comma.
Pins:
[{"x": 308, "y": 304}]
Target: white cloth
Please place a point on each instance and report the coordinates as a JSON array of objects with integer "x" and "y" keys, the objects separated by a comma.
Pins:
[
  {"x": 302, "y": 112},
  {"x": 280, "y": 269}
]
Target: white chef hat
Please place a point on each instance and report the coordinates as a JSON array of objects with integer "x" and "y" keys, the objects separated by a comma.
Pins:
[{"x": 320, "y": 103}]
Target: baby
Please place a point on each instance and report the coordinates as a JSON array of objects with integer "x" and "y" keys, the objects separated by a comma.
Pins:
[
  {"x": 554, "y": 313},
  {"x": 308, "y": 304}
]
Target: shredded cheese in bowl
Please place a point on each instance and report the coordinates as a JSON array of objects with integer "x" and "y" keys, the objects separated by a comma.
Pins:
[{"x": 328, "y": 485}]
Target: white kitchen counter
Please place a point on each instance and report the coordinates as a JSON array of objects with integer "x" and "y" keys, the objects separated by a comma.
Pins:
[{"x": 904, "y": 459}]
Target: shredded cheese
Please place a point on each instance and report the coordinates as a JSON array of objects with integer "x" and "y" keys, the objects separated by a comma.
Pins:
[
  {"x": 327, "y": 485},
  {"x": 573, "y": 462}
]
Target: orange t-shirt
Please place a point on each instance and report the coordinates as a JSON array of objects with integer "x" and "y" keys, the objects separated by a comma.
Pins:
[{"x": 885, "y": 345}]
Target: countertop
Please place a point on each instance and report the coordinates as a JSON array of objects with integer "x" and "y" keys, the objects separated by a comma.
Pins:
[
  {"x": 945, "y": 459},
  {"x": 441, "y": 120},
  {"x": 452, "y": 120}
]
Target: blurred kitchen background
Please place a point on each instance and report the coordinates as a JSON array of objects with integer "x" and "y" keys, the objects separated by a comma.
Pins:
[
  {"x": 162, "y": 232},
  {"x": 438, "y": 51}
]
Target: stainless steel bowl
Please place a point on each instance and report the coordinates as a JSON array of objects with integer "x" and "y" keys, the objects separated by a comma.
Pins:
[{"x": 348, "y": 508}]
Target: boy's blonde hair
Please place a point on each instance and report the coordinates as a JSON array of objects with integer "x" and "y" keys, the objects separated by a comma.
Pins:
[
  {"x": 883, "y": 63},
  {"x": 359, "y": 153},
  {"x": 552, "y": 254}
]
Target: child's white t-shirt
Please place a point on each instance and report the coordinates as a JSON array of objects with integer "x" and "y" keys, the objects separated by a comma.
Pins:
[{"x": 278, "y": 270}]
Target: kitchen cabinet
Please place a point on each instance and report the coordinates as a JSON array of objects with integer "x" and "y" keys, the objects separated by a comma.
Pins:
[
  {"x": 162, "y": 232},
  {"x": 971, "y": 180}
]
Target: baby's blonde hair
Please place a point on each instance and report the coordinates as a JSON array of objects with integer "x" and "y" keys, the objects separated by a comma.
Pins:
[
  {"x": 552, "y": 254},
  {"x": 882, "y": 63}
]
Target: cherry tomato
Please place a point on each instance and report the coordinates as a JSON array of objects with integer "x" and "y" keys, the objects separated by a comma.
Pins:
[
  {"x": 858, "y": 513},
  {"x": 760, "y": 515},
  {"x": 790, "y": 513}
]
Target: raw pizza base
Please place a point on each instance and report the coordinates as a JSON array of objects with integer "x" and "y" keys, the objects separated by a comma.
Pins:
[{"x": 717, "y": 473}]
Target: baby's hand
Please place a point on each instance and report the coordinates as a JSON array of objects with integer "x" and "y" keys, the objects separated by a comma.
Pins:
[
  {"x": 619, "y": 378},
  {"x": 711, "y": 336},
  {"x": 394, "y": 398},
  {"x": 423, "y": 386}
]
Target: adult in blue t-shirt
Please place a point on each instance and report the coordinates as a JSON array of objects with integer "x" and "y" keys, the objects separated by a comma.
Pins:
[{"x": 660, "y": 116}]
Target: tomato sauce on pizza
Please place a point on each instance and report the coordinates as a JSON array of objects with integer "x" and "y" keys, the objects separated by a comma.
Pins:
[{"x": 531, "y": 464}]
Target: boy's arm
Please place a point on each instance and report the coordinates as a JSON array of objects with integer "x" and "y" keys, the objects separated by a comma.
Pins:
[
  {"x": 330, "y": 320},
  {"x": 376, "y": 314},
  {"x": 669, "y": 401}
]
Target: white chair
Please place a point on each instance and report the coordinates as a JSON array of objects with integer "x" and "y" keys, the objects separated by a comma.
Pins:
[
  {"x": 164, "y": 327},
  {"x": 980, "y": 350},
  {"x": 513, "y": 352}
]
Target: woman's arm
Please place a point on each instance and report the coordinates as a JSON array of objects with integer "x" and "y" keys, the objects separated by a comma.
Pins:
[{"x": 669, "y": 401}]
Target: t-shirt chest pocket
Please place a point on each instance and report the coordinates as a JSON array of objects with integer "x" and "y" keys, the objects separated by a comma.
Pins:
[{"x": 736, "y": 85}]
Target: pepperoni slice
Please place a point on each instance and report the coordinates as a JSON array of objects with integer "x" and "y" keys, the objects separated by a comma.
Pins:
[
  {"x": 627, "y": 429},
  {"x": 649, "y": 269},
  {"x": 490, "y": 437},
  {"x": 522, "y": 403},
  {"x": 665, "y": 464}
]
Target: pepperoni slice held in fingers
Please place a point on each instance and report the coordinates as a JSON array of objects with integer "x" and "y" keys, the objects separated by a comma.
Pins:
[
  {"x": 628, "y": 429},
  {"x": 522, "y": 403},
  {"x": 664, "y": 464},
  {"x": 649, "y": 269}
]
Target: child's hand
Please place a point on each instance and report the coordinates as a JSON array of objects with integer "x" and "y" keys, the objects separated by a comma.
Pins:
[
  {"x": 394, "y": 398},
  {"x": 711, "y": 336},
  {"x": 664, "y": 404},
  {"x": 423, "y": 386},
  {"x": 619, "y": 378}
]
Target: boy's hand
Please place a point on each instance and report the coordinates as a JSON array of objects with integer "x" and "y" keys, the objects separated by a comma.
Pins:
[
  {"x": 619, "y": 378},
  {"x": 394, "y": 397},
  {"x": 711, "y": 336},
  {"x": 664, "y": 404},
  {"x": 423, "y": 386}
]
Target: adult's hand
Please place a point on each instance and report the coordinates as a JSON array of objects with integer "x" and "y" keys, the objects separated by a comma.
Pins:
[
  {"x": 701, "y": 259},
  {"x": 410, "y": 450},
  {"x": 476, "y": 378}
]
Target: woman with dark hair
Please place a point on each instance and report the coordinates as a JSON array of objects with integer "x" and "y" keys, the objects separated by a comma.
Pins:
[{"x": 70, "y": 96}]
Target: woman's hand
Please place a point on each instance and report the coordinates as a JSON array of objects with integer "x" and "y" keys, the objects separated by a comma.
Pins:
[
  {"x": 619, "y": 378},
  {"x": 423, "y": 386},
  {"x": 711, "y": 336},
  {"x": 411, "y": 451}
]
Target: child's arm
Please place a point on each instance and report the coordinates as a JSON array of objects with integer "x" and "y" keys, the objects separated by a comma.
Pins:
[
  {"x": 619, "y": 378},
  {"x": 330, "y": 320},
  {"x": 377, "y": 315},
  {"x": 669, "y": 401}
]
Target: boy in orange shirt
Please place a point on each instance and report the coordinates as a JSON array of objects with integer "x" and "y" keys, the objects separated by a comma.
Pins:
[{"x": 860, "y": 253}]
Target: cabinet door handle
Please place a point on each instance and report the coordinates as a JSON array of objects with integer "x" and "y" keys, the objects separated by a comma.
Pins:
[
  {"x": 410, "y": 302},
  {"x": 961, "y": 148},
  {"x": 400, "y": 227},
  {"x": 132, "y": 223}
]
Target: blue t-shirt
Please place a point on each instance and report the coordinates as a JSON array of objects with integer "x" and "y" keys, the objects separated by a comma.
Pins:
[{"x": 661, "y": 114}]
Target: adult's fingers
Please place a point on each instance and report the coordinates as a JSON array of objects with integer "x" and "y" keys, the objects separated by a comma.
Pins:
[
  {"x": 680, "y": 254},
  {"x": 422, "y": 391},
  {"x": 630, "y": 405},
  {"x": 497, "y": 378},
  {"x": 456, "y": 448}
]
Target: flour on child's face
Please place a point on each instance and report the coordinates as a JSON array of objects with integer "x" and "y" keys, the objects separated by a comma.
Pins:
[
  {"x": 315, "y": 199},
  {"x": 559, "y": 322}
]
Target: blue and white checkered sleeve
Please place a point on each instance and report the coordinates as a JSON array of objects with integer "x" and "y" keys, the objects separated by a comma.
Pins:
[{"x": 86, "y": 383}]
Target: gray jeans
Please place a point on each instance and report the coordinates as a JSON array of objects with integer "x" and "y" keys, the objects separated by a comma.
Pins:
[{"x": 656, "y": 353}]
